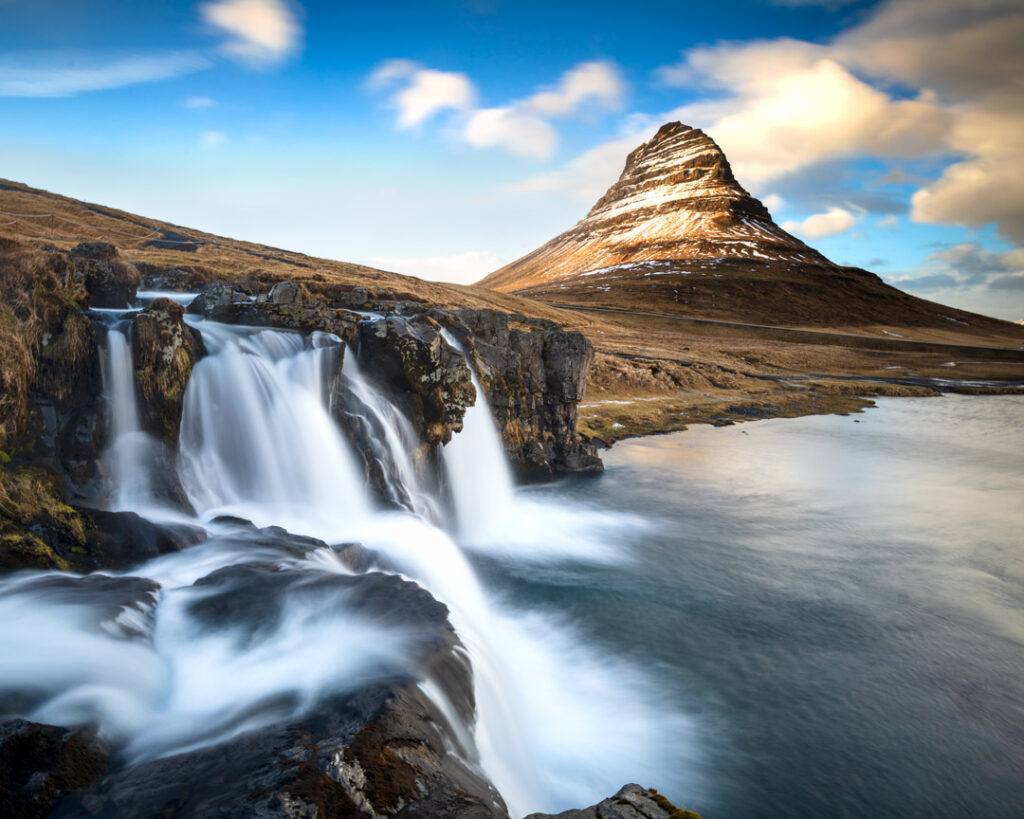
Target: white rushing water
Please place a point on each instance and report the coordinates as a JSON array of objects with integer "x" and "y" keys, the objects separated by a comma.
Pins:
[
  {"x": 132, "y": 452},
  {"x": 559, "y": 724}
]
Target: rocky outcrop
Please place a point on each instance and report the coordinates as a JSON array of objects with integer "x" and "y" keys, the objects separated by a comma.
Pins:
[
  {"x": 286, "y": 306},
  {"x": 535, "y": 374},
  {"x": 428, "y": 377},
  {"x": 109, "y": 280},
  {"x": 631, "y": 802},
  {"x": 39, "y": 764},
  {"x": 39, "y": 530},
  {"x": 384, "y": 750},
  {"x": 164, "y": 350}
]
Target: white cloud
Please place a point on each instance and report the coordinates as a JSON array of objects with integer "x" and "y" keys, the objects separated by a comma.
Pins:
[
  {"x": 830, "y": 223},
  {"x": 890, "y": 221},
  {"x": 773, "y": 202},
  {"x": 596, "y": 82},
  {"x": 53, "y": 75},
  {"x": 793, "y": 105},
  {"x": 519, "y": 133},
  {"x": 520, "y": 127},
  {"x": 426, "y": 90},
  {"x": 459, "y": 268},
  {"x": 261, "y": 32},
  {"x": 199, "y": 102},
  {"x": 213, "y": 139},
  {"x": 789, "y": 104}
]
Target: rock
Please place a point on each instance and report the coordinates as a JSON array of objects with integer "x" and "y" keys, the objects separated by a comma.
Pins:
[
  {"x": 120, "y": 540},
  {"x": 535, "y": 376},
  {"x": 380, "y": 751},
  {"x": 356, "y": 298},
  {"x": 428, "y": 377},
  {"x": 109, "y": 280},
  {"x": 291, "y": 310},
  {"x": 164, "y": 351},
  {"x": 181, "y": 278},
  {"x": 218, "y": 296},
  {"x": 631, "y": 802},
  {"x": 38, "y": 530},
  {"x": 41, "y": 763},
  {"x": 286, "y": 293}
]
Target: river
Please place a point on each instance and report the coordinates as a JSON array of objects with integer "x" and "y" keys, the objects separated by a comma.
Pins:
[{"x": 836, "y": 603}]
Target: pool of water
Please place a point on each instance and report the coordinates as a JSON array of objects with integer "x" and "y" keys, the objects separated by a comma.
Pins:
[{"x": 835, "y": 603}]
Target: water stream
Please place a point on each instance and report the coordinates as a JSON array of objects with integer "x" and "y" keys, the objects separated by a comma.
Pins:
[{"x": 138, "y": 653}]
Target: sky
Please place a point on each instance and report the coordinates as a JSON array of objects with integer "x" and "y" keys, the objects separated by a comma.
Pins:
[{"x": 445, "y": 139}]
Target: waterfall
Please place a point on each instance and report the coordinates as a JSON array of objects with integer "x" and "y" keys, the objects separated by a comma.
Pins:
[
  {"x": 131, "y": 451},
  {"x": 477, "y": 468},
  {"x": 257, "y": 440},
  {"x": 395, "y": 442},
  {"x": 134, "y": 654}
]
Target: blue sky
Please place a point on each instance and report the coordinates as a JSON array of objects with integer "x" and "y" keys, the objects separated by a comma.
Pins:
[{"x": 444, "y": 139}]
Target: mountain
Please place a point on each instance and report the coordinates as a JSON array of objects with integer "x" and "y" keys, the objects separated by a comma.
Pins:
[{"x": 678, "y": 234}]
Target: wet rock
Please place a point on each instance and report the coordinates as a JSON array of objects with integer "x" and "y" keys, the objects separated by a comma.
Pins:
[
  {"x": 428, "y": 377},
  {"x": 110, "y": 280},
  {"x": 383, "y": 750},
  {"x": 38, "y": 530},
  {"x": 41, "y": 763},
  {"x": 631, "y": 802},
  {"x": 164, "y": 351},
  {"x": 535, "y": 374},
  {"x": 119, "y": 540}
]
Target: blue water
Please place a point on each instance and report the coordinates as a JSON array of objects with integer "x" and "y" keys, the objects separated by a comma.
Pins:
[{"x": 836, "y": 603}]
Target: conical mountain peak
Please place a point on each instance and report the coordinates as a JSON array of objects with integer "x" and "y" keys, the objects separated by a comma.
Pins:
[{"x": 676, "y": 199}]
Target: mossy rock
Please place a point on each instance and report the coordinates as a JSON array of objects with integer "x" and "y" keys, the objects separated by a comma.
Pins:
[{"x": 165, "y": 350}]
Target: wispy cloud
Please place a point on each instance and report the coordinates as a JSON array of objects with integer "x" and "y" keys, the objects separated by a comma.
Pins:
[
  {"x": 57, "y": 75},
  {"x": 425, "y": 91},
  {"x": 260, "y": 32},
  {"x": 520, "y": 127}
]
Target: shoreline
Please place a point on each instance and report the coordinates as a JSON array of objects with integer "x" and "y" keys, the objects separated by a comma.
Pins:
[{"x": 606, "y": 420}]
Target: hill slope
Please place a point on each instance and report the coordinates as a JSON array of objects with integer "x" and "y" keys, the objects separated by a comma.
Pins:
[
  {"x": 678, "y": 234},
  {"x": 46, "y": 220}
]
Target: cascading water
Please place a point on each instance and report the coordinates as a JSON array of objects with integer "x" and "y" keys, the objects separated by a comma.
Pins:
[
  {"x": 142, "y": 656},
  {"x": 478, "y": 471},
  {"x": 257, "y": 440},
  {"x": 396, "y": 442},
  {"x": 131, "y": 451}
]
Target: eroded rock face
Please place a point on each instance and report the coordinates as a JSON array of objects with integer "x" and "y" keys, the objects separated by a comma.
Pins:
[
  {"x": 110, "y": 280},
  {"x": 428, "y": 376},
  {"x": 41, "y": 763},
  {"x": 535, "y": 376},
  {"x": 164, "y": 351}
]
